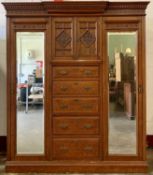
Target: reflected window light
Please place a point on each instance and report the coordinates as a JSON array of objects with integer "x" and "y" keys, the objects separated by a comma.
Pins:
[{"x": 128, "y": 51}]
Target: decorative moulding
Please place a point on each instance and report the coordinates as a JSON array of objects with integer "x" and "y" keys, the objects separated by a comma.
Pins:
[{"x": 77, "y": 7}]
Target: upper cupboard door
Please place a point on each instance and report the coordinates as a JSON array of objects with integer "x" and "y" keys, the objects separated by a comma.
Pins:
[
  {"x": 87, "y": 38},
  {"x": 75, "y": 38},
  {"x": 63, "y": 38}
]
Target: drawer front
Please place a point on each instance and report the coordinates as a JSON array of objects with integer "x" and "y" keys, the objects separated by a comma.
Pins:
[
  {"x": 75, "y": 105},
  {"x": 75, "y": 149},
  {"x": 67, "y": 125},
  {"x": 75, "y": 72},
  {"x": 75, "y": 88}
]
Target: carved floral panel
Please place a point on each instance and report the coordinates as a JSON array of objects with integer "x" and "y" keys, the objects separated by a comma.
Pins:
[{"x": 63, "y": 33}]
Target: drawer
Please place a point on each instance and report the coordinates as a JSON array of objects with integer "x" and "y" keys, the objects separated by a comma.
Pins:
[
  {"x": 79, "y": 125},
  {"x": 76, "y": 149},
  {"x": 75, "y": 105},
  {"x": 75, "y": 72},
  {"x": 75, "y": 88}
]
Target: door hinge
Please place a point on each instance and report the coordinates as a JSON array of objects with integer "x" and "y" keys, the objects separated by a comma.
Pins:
[{"x": 140, "y": 89}]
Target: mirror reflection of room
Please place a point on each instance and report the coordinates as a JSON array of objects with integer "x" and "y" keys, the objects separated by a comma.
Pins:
[
  {"x": 122, "y": 54},
  {"x": 30, "y": 92}
]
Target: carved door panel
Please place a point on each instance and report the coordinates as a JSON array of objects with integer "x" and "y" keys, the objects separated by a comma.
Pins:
[
  {"x": 87, "y": 38},
  {"x": 63, "y": 42},
  {"x": 75, "y": 38}
]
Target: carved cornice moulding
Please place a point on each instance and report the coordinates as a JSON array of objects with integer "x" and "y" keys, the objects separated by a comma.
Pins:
[
  {"x": 29, "y": 26},
  {"x": 122, "y": 26},
  {"x": 141, "y": 5},
  {"x": 84, "y": 7},
  {"x": 10, "y": 6},
  {"x": 76, "y": 7}
]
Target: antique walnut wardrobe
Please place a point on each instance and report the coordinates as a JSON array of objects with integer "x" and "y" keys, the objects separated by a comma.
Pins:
[{"x": 90, "y": 68}]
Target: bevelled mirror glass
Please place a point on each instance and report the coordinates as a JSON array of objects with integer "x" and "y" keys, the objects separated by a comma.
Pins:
[
  {"x": 122, "y": 58},
  {"x": 30, "y": 92}
]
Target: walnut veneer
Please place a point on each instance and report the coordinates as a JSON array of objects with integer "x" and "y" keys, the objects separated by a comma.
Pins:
[{"x": 76, "y": 85}]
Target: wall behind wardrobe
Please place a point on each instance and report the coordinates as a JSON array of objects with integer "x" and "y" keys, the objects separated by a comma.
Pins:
[
  {"x": 2, "y": 71},
  {"x": 149, "y": 67}
]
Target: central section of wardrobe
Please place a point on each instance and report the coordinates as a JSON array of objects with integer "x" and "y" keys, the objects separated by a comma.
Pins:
[{"x": 76, "y": 89}]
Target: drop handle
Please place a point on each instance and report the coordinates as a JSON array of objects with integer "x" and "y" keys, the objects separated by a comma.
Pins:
[
  {"x": 63, "y": 72},
  {"x": 64, "y": 148},
  {"x": 63, "y": 106},
  {"x": 76, "y": 100},
  {"x": 87, "y": 106},
  {"x": 63, "y": 88},
  {"x": 88, "y": 72},
  {"x": 64, "y": 125},
  {"x": 76, "y": 83},
  {"x": 87, "y": 88},
  {"x": 88, "y": 148},
  {"x": 88, "y": 126}
]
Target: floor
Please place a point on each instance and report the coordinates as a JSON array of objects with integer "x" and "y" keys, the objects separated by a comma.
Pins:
[
  {"x": 149, "y": 158},
  {"x": 122, "y": 134},
  {"x": 30, "y": 130},
  {"x": 122, "y": 131}
]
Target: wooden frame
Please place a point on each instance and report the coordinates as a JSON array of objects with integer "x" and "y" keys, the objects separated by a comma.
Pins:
[
  {"x": 18, "y": 26},
  {"x": 120, "y": 25},
  {"x": 110, "y": 16}
]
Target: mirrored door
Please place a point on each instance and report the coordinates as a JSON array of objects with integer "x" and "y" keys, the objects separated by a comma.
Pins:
[
  {"x": 30, "y": 92},
  {"x": 122, "y": 107}
]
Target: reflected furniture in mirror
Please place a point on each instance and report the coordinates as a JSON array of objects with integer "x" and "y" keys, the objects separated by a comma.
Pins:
[
  {"x": 125, "y": 76},
  {"x": 89, "y": 58},
  {"x": 30, "y": 94}
]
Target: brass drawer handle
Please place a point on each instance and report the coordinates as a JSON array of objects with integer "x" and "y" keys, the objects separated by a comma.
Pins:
[
  {"x": 87, "y": 88},
  {"x": 76, "y": 100},
  {"x": 64, "y": 126},
  {"x": 87, "y": 106},
  {"x": 63, "y": 106},
  {"x": 64, "y": 148},
  {"x": 88, "y": 148},
  {"x": 76, "y": 83},
  {"x": 63, "y": 72},
  {"x": 88, "y": 126},
  {"x": 64, "y": 88},
  {"x": 88, "y": 72}
]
